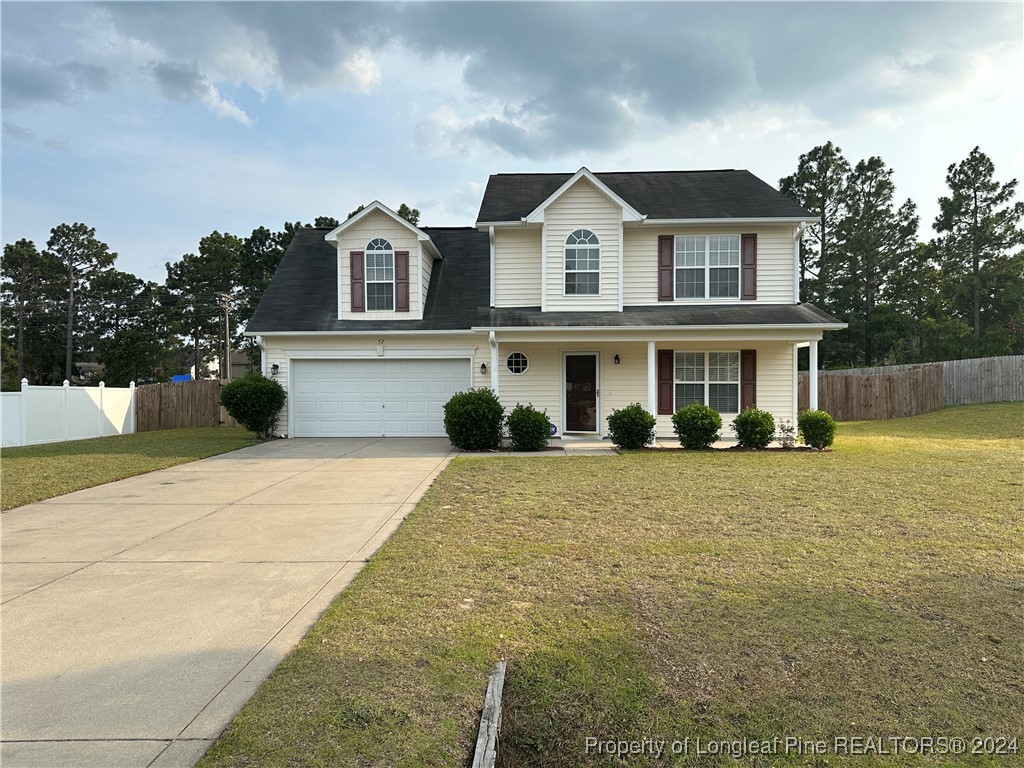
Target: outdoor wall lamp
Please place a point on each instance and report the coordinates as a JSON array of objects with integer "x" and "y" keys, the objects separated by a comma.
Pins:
[
  {"x": 274, "y": 369},
  {"x": 617, "y": 360},
  {"x": 483, "y": 369}
]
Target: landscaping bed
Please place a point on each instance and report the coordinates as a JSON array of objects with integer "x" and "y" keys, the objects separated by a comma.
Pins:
[{"x": 873, "y": 590}]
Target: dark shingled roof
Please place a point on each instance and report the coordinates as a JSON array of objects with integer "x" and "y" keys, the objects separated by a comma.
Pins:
[
  {"x": 725, "y": 194},
  {"x": 303, "y": 294},
  {"x": 674, "y": 314}
]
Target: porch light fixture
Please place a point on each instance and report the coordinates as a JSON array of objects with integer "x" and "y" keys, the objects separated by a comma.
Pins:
[
  {"x": 380, "y": 347},
  {"x": 483, "y": 369},
  {"x": 617, "y": 360},
  {"x": 274, "y": 369}
]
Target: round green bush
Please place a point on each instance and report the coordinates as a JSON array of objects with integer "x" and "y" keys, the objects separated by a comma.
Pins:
[
  {"x": 754, "y": 428},
  {"x": 697, "y": 426},
  {"x": 255, "y": 402},
  {"x": 472, "y": 420},
  {"x": 529, "y": 428},
  {"x": 817, "y": 429},
  {"x": 631, "y": 428}
]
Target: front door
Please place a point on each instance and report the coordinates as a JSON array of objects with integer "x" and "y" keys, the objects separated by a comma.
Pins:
[{"x": 581, "y": 393}]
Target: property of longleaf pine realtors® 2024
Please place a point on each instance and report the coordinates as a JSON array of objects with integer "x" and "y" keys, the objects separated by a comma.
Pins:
[{"x": 792, "y": 745}]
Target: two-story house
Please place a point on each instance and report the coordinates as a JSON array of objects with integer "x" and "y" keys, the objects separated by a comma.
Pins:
[{"x": 579, "y": 293}]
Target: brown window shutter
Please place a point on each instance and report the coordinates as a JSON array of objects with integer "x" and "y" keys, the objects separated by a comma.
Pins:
[
  {"x": 357, "y": 277},
  {"x": 666, "y": 381},
  {"x": 748, "y": 378},
  {"x": 401, "y": 281},
  {"x": 666, "y": 259},
  {"x": 748, "y": 278}
]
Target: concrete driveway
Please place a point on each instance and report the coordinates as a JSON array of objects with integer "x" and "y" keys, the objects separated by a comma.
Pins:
[{"x": 140, "y": 615}]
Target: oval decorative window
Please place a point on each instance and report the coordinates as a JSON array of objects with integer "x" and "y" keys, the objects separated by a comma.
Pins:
[{"x": 517, "y": 363}]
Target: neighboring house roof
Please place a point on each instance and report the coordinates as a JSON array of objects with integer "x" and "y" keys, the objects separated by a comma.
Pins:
[
  {"x": 303, "y": 295},
  {"x": 636, "y": 317},
  {"x": 725, "y": 194}
]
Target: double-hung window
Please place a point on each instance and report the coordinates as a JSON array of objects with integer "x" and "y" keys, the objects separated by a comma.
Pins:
[
  {"x": 708, "y": 378},
  {"x": 380, "y": 276},
  {"x": 582, "y": 264},
  {"x": 707, "y": 266}
]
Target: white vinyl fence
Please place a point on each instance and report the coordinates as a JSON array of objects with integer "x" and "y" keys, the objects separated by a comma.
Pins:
[{"x": 54, "y": 414}]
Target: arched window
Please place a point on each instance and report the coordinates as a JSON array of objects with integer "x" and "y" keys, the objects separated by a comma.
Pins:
[
  {"x": 582, "y": 264},
  {"x": 380, "y": 276}
]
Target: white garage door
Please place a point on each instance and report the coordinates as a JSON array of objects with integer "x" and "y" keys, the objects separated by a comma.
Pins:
[{"x": 374, "y": 398}]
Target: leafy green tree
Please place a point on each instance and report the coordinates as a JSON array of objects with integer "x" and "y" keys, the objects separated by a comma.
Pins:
[
  {"x": 197, "y": 286},
  {"x": 325, "y": 221},
  {"x": 28, "y": 282},
  {"x": 819, "y": 185},
  {"x": 979, "y": 229},
  {"x": 82, "y": 257},
  {"x": 357, "y": 210},
  {"x": 412, "y": 215},
  {"x": 875, "y": 238}
]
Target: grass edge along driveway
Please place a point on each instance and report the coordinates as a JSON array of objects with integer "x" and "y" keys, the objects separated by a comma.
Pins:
[
  {"x": 870, "y": 591},
  {"x": 37, "y": 472}
]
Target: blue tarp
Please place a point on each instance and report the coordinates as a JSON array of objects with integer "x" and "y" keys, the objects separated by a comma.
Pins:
[{"x": 182, "y": 377}]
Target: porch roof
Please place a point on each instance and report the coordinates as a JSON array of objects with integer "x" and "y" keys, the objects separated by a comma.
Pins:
[{"x": 760, "y": 316}]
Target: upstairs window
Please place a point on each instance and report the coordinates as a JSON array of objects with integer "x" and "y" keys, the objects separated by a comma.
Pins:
[
  {"x": 707, "y": 267},
  {"x": 380, "y": 276},
  {"x": 582, "y": 264}
]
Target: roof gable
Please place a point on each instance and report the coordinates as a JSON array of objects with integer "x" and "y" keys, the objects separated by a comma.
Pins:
[
  {"x": 375, "y": 206},
  {"x": 629, "y": 213}
]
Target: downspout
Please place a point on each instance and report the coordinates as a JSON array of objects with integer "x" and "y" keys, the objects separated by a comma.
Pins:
[
  {"x": 796, "y": 260},
  {"x": 493, "y": 341},
  {"x": 263, "y": 354}
]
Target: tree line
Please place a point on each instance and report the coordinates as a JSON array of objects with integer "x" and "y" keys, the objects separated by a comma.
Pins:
[
  {"x": 67, "y": 304},
  {"x": 958, "y": 295}
]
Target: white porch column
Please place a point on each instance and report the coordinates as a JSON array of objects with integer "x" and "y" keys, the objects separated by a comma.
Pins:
[
  {"x": 812, "y": 377},
  {"x": 652, "y": 379},
  {"x": 494, "y": 363}
]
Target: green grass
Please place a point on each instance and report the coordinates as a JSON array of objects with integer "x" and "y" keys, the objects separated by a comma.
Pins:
[
  {"x": 38, "y": 472},
  {"x": 874, "y": 590}
]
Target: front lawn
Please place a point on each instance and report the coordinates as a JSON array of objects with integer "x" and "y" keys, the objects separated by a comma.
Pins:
[
  {"x": 872, "y": 591},
  {"x": 37, "y": 472}
]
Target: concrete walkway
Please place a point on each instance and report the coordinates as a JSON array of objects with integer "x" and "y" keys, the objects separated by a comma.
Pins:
[{"x": 140, "y": 615}]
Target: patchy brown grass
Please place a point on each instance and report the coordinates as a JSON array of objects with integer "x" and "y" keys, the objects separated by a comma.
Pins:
[{"x": 874, "y": 590}]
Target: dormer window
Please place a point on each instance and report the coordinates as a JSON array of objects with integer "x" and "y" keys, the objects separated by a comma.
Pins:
[
  {"x": 582, "y": 264},
  {"x": 380, "y": 276}
]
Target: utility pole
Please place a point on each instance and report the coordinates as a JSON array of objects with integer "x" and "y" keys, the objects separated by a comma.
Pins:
[{"x": 226, "y": 305}]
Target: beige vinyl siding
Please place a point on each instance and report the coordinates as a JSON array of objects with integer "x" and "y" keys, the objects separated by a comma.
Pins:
[
  {"x": 379, "y": 224},
  {"x": 280, "y": 348},
  {"x": 582, "y": 206},
  {"x": 774, "y": 261},
  {"x": 620, "y": 385},
  {"x": 517, "y": 266},
  {"x": 427, "y": 269}
]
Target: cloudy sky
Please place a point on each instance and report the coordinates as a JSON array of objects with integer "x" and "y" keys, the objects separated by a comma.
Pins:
[{"x": 157, "y": 123}]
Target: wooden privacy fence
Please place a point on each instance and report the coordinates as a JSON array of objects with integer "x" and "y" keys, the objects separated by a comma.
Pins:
[
  {"x": 179, "y": 404},
  {"x": 877, "y": 396},
  {"x": 889, "y": 392}
]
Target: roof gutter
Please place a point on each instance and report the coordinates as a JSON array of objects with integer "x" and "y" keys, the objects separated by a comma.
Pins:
[{"x": 634, "y": 328}]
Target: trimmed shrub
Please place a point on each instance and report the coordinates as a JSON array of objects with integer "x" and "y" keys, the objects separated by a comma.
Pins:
[
  {"x": 529, "y": 428},
  {"x": 631, "y": 427},
  {"x": 697, "y": 426},
  {"x": 754, "y": 428},
  {"x": 255, "y": 402},
  {"x": 817, "y": 429},
  {"x": 472, "y": 420},
  {"x": 786, "y": 434}
]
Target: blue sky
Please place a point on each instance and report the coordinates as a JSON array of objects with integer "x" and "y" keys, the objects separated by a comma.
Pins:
[{"x": 157, "y": 123}]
